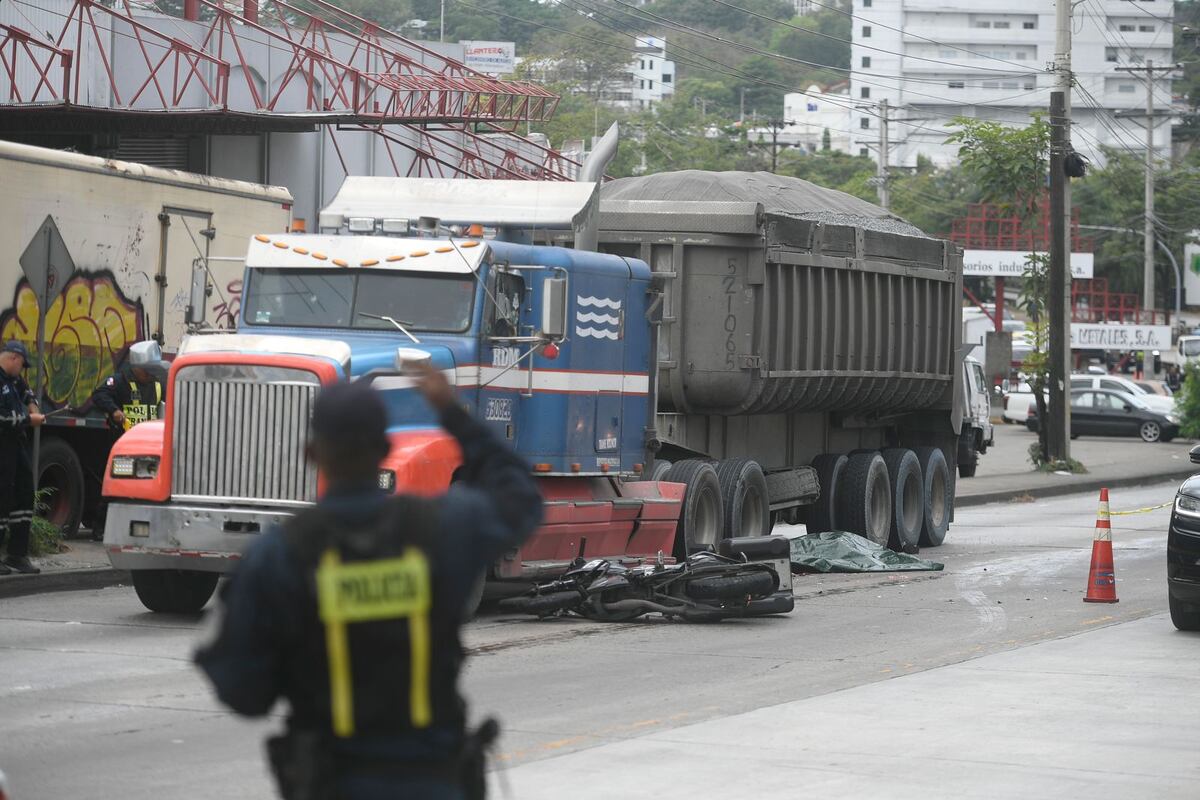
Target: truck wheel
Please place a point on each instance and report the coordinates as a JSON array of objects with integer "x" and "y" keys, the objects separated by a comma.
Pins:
[
  {"x": 174, "y": 591},
  {"x": 908, "y": 499},
  {"x": 62, "y": 474},
  {"x": 822, "y": 515},
  {"x": 939, "y": 495},
  {"x": 744, "y": 496},
  {"x": 659, "y": 469},
  {"x": 865, "y": 497},
  {"x": 475, "y": 599},
  {"x": 701, "y": 518}
]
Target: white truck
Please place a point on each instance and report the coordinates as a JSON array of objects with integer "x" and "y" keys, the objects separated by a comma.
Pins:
[
  {"x": 977, "y": 433},
  {"x": 138, "y": 237}
]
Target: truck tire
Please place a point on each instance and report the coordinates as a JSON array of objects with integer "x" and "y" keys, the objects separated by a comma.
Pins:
[
  {"x": 174, "y": 591},
  {"x": 939, "y": 495},
  {"x": 701, "y": 520},
  {"x": 908, "y": 499},
  {"x": 822, "y": 515},
  {"x": 661, "y": 465},
  {"x": 865, "y": 497},
  {"x": 968, "y": 454},
  {"x": 744, "y": 496},
  {"x": 61, "y": 472}
]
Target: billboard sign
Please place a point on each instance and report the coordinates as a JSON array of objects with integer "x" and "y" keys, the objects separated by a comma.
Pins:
[
  {"x": 1098, "y": 336},
  {"x": 497, "y": 58},
  {"x": 1011, "y": 264}
]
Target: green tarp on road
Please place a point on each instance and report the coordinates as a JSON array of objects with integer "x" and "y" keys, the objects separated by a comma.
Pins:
[{"x": 838, "y": 551}]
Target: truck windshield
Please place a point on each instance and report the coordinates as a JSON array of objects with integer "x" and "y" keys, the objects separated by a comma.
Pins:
[
  {"x": 308, "y": 298},
  {"x": 1190, "y": 347}
]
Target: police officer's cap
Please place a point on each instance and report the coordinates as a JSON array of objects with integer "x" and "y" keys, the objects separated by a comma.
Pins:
[
  {"x": 13, "y": 346},
  {"x": 350, "y": 414}
]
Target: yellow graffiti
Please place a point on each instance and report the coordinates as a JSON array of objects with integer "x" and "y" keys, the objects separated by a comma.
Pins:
[{"x": 89, "y": 325}]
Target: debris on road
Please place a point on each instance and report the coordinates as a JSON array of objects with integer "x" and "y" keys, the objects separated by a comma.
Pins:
[{"x": 838, "y": 551}]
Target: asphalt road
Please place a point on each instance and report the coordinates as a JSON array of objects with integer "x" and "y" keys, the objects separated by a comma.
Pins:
[{"x": 99, "y": 697}]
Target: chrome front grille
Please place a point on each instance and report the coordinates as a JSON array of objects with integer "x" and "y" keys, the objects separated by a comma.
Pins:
[{"x": 239, "y": 434}]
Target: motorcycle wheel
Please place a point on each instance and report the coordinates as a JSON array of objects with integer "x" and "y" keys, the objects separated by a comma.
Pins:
[
  {"x": 540, "y": 604},
  {"x": 731, "y": 587}
]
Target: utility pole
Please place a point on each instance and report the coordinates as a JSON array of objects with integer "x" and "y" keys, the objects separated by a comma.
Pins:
[
  {"x": 1058, "y": 436},
  {"x": 885, "y": 195},
  {"x": 775, "y": 125},
  {"x": 1151, "y": 116}
]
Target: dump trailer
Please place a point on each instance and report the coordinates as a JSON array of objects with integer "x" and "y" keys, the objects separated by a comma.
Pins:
[
  {"x": 706, "y": 375},
  {"x": 139, "y": 237},
  {"x": 809, "y": 355}
]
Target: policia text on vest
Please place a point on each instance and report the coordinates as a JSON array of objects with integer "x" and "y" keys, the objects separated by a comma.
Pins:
[
  {"x": 126, "y": 398},
  {"x": 352, "y": 612}
]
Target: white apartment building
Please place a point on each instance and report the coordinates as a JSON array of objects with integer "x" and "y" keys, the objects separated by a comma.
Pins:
[
  {"x": 650, "y": 78},
  {"x": 933, "y": 60},
  {"x": 808, "y": 115}
]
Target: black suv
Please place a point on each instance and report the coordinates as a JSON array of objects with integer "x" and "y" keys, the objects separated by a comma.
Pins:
[{"x": 1183, "y": 554}]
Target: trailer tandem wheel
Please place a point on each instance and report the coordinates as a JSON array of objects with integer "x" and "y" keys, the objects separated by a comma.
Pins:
[
  {"x": 908, "y": 499},
  {"x": 744, "y": 495},
  {"x": 939, "y": 495},
  {"x": 701, "y": 520},
  {"x": 865, "y": 497},
  {"x": 822, "y": 515}
]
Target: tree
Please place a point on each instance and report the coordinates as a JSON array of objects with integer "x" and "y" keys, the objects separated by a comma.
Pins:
[
  {"x": 826, "y": 141},
  {"x": 1010, "y": 167}
]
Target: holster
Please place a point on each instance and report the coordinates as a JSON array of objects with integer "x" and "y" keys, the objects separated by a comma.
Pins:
[
  {"x": 302, "y": 763},
  {"x": 473, "y": 760}
]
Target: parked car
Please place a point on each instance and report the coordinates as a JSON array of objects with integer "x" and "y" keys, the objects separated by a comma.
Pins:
[
  {"x": 1156, "y": 387},
  {"x": 1158, "y": 402},
  {"x": 1183, "y": 554},
  {"x": 1107, "y": 412},
  {"x": 1017, "y": 402}
]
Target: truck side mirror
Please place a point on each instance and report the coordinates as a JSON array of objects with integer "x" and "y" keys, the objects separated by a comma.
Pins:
[
  {"x": 554, "y": 308},
  {"x": 198, "y": 294}
]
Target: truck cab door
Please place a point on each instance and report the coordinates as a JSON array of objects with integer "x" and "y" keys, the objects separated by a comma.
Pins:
[{"x": 504, "y": 360}]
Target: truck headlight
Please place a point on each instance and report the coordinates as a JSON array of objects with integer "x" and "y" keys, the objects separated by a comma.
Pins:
[
  {"x": 1187, "y": 506},
  {"x": 387, "y": 480},
  {"x": 134, "y": 466}
]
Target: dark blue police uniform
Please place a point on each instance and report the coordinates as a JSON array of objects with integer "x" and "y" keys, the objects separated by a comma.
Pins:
[
  {"x": 16, "y": 468},
  {"x": 407, "y": 723}
]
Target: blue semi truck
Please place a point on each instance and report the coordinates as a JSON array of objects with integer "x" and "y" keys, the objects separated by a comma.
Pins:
[{"x": 724, "y": 367}]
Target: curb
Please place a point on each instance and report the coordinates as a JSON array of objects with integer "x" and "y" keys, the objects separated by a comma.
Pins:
[
  {"x": 1075, "y": 487},
  {"x": 67, "y": 580}
]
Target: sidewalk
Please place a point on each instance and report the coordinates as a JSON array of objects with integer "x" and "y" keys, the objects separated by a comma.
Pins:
[
  {"x": 1005, "y": 471},
  {"x": 1095, "y": 715},
  {"x": 84, "y": 566}
]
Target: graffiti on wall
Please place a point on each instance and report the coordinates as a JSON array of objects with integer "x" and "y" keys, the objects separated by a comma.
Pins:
[{"x": 90, "y": 325}]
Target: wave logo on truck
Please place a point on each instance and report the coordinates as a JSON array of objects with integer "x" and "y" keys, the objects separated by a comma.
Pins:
[
  {"x": 89, "y": 325},
  {"x": 593, "y": 320}
]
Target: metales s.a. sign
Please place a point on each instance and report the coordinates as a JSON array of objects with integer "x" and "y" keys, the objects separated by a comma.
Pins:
[{"x": 1087, "y": 336}]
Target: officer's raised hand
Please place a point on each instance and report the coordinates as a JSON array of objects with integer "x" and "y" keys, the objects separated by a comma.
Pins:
[{"x": 431, "y": 383}]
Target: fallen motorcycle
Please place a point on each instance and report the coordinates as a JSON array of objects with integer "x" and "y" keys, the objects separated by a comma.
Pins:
[{"x": 748, "y": 577}]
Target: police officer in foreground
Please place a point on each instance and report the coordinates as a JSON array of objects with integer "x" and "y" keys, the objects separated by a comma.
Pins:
[
  {"x": 133, "y": 394},
  {"x": 352, "y": 610},
  {"x": 18, "y": 413}
]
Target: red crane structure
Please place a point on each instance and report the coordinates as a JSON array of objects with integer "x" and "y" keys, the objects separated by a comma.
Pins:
[{"x": 200, "y": 73}]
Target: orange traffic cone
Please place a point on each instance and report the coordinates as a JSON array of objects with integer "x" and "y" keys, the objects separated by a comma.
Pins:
[{"x": 1102, "y": 578}]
